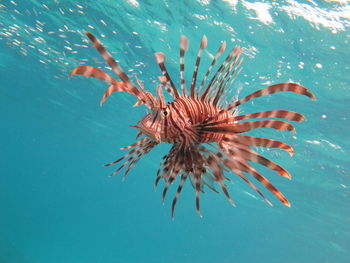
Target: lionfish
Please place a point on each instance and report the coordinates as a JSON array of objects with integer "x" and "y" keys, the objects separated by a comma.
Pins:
[{"x": 204, "y": 128}]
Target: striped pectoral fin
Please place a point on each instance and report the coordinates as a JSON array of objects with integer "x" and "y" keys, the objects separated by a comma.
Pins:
[
  {"x": 140, "y": 152},
  {"x": 198, "y": 190},
  {"x": 253, "y": 186},
  {"x": 122, "y": 158},
  {"x": 282, "y": 87},
  {"x": 193, "y": 165},
  {"x": 131, "y": 164},
  {"x": 244, "y": 166},
  {"x": 177, "y": 165},
  {"x": 134, "y": 144},
  {"x": 208, "y": 180},
  {"x": 246, "y": 153},
  {"x": 157, "y": 181},
  {"x": 224, "y": 189},
  {"x": 274, "y": 124},
  {"x": 143, "y": 149},
  {"x": 130, "y": 159},
  {"x": 166, "y": 187},
  {"x": 283, "y": 114},
  {"x": 135, "y": 156},
  {"x": 178, "y": 191},
  {"x": 88, "y": 71},
  {"x": 159, "y": 174},
  {"x": 232, "y": 164},
  {"x": 258, "y": 141},
  {"x": 139, "y": 148},
  {"x": 248, "y": 126},
  {"x": 165, "y": 166},
  {"x": 212, "y": 161},
  {"x": 197, "y": 173}
]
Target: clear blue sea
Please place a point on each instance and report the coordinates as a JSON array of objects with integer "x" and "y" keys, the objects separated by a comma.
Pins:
[{"x": 57, "y": 201}]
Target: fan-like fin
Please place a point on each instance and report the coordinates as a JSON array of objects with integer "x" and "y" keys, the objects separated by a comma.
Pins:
[
  {"x": 283, "y": 114},
  {"x": 246, "y": 153},
  {"x": 240, "y": 174},
  {"x": 213, "y": 163},
  {"x": 234, "y": 168},
  {"x": 122, "y": 158},
  {"x": 178, "y": 191},
  {"x": 240, "y": 164},
  {"x": 282, "y": 87},
  {"x": 134, "y": 144},
  {"x": 248, "y": 126},
  {"x": 266, "y": 183},
  {"x": 258, "y": 141},
  {"x": 176, "y": 167},
  {"x": 139, "y": 148}
]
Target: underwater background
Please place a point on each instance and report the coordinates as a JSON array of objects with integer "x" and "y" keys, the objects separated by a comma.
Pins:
[{"x": 57, "y": 201}]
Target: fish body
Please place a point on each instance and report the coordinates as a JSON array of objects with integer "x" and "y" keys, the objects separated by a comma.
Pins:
[
  {"x": 181, "y": 117},
  {"x": 201, "y": 123}
]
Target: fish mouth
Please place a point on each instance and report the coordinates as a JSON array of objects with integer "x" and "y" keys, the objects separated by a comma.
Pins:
[{"x": 148, "y": 132}]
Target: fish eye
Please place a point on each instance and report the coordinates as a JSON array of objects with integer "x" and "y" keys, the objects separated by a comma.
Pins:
[{"x": 165, "y": 112}]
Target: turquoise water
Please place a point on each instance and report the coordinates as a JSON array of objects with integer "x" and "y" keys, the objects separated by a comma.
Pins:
[{"x": 58, "y": 203}]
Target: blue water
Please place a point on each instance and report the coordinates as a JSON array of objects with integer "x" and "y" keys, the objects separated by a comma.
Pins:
[{"x": 58, "y": 203}]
